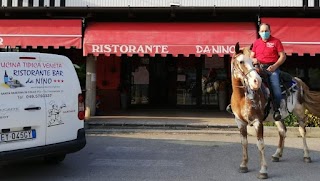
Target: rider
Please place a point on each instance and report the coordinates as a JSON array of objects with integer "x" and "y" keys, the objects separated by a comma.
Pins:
[{"x": 269, "y": 52}]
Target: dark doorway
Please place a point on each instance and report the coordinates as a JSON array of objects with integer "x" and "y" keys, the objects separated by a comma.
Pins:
[{"x": 163, "y": 77}]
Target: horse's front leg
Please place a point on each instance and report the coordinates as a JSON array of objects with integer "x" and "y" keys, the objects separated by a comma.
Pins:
[
  {"x": 282, "y": 135},
  {"x": 263, "y": 173},
  {"x": 244, "y": 141}
]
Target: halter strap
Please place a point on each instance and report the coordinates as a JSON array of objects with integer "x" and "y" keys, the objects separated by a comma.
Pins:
[{"x": 253, "y": 69}]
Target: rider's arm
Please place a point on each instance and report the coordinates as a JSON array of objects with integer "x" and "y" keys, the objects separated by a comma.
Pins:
[
  {"x": 281, "y": 60},
  {"x": 252, "y": 56}
]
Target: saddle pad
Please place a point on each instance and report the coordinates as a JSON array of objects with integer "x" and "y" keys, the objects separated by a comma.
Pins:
[{"x": 290, "y": 87}]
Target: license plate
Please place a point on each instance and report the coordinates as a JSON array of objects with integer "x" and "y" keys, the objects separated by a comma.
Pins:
[{"x": 17, "y": 135}]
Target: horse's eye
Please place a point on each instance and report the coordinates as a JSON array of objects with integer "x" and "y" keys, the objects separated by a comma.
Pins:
[{"x": 241, "y": 62}]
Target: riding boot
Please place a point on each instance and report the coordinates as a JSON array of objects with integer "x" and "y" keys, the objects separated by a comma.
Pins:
[
  {"x": 229, "y": 109},
  {"x": 276, "y": 114}
]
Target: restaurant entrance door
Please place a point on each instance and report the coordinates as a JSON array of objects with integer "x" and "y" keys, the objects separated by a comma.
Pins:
[{"x": 163, "y": 77}]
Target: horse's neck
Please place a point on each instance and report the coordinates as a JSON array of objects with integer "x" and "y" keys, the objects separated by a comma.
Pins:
[{"x": 237, "y": 87}]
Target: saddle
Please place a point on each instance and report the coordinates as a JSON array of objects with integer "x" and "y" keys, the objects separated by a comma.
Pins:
[{"x": 287, "y": 83}]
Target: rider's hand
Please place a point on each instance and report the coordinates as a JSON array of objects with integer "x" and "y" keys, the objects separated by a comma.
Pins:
[
  {"x": 271, "y": 68},
  {"x": 255, "y": 61}
]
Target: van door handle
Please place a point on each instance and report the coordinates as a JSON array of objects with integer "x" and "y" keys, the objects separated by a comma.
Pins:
[{"x": 32, "y": 108}]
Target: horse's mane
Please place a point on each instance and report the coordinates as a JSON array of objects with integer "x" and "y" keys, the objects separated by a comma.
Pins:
[
  {"x": 246, "y": 51},
  {"x": 311, "y": 99}
]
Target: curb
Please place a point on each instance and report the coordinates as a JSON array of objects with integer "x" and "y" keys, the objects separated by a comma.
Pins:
[
  {"x": 155, "y": 131},
  {"x": 104, "y": 124},
  {"x": 104, "y": 127}
]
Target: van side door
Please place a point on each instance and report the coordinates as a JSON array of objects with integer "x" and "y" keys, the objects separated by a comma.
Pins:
[{"x": 62, "y": 104}]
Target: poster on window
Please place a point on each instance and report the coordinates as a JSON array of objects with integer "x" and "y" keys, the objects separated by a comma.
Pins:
[
  {"x": 181, "y": 78},
  {"x": 141, "y": 75},
  {"x": 215, "y": 62}
]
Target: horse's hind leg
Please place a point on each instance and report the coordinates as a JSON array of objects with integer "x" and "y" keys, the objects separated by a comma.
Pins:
[
  {"x": 282, "y": 136},
  {"x": 302, "y": 130},
  {"x": 263, "y": 173}
]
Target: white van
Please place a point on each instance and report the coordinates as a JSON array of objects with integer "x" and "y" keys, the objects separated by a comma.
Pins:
[{"x": 41, "y": 107}]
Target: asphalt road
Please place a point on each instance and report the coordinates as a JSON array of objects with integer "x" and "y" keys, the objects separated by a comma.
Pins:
[{"x": 168, "y": 157}]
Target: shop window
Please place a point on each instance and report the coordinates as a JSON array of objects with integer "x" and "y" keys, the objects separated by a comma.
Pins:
[
  {"x": 314, "y": 78},
  {"x": 20, "y": 3},
  {"x": 214, "y": 76},
  {"x": 140, "y": 81},
  {"x": 30, "y": 3},
  {"x": 41, "y": 3},
  {"x": 62, "y": 3},
  {"x": 186, "y": 82},
  {"x": 9, "y": 3},
  {"x": 51, "y": 3}
]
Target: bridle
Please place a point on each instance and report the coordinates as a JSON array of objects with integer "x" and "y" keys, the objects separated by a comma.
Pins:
[
  {"x": 248, "y": 92},
  {"x": 236, "y": 68}
]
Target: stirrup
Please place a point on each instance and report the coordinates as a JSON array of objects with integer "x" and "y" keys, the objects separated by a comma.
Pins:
[
  {"x": 277, "y": 116},
  {"x": 228, "y": 109}
]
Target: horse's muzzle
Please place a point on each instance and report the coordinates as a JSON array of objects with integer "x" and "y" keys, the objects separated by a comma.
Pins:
[{"x": 255, "y": 84}]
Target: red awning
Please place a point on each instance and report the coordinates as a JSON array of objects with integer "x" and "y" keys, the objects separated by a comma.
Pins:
[
  {"x": 298, "y": 35},
  {"x": 45, "y": 33},
  {"x": 167, "y": 38}
]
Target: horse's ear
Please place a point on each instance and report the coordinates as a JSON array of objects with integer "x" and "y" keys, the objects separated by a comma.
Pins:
[
  {"x": 251, "y": 46},
  {"x": 237, "y": 48}
]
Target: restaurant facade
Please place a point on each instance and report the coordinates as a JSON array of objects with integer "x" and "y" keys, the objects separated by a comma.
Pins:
[{"x": 162, "y": 54}]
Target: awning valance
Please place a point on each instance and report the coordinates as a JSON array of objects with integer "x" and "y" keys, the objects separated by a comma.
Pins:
[
  {"x": 167, "y": 38},
  {"x": 298, "y": 35},
  {"x": 45, "y": 33}
]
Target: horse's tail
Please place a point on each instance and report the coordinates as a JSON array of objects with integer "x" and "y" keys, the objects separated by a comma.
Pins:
[{"x": 310, "y": 99}]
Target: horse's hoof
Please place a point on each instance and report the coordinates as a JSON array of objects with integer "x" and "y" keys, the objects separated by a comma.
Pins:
[
  {"x": 307, "y": 159},
  {"x": 243, "y": 169},
  {"x": 262, "y": 176},
  {"x": 275, "y": 159}
]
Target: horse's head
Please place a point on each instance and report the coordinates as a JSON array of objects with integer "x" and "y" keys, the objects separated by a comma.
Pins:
[{"x": 242, "y": 68}]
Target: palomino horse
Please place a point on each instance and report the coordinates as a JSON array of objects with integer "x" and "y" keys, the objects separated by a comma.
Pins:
[{"x": 249, "y": 102}]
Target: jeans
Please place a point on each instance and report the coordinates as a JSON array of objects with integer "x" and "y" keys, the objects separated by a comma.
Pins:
[{"x": 274, "y": 78}]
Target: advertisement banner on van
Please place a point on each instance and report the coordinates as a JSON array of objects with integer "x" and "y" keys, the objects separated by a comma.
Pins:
[{"x": 33, "y": 76}]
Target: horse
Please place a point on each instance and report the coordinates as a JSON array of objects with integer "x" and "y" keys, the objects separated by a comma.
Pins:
[{"x": 250, "y": 105}]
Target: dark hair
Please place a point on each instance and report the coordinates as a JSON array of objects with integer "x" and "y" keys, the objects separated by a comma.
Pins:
[{"x": 266, "y": 25}]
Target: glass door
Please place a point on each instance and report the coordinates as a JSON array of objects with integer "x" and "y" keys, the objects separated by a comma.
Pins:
[
  {"x": 140, "y": 81},
  {"x": 187, "y": 87},
  {"x": 162, "y": 81}
]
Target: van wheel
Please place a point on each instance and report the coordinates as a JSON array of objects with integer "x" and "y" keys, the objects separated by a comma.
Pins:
[{"x": 54, "y": 159}]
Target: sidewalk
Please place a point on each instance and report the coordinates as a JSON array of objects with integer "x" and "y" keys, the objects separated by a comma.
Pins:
[
  {"x": 183, "y": 121},
  {"x": 185, "y": 118}
]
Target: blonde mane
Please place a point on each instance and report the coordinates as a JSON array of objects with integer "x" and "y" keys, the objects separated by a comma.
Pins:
[{"x": 246, "y": 51}]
